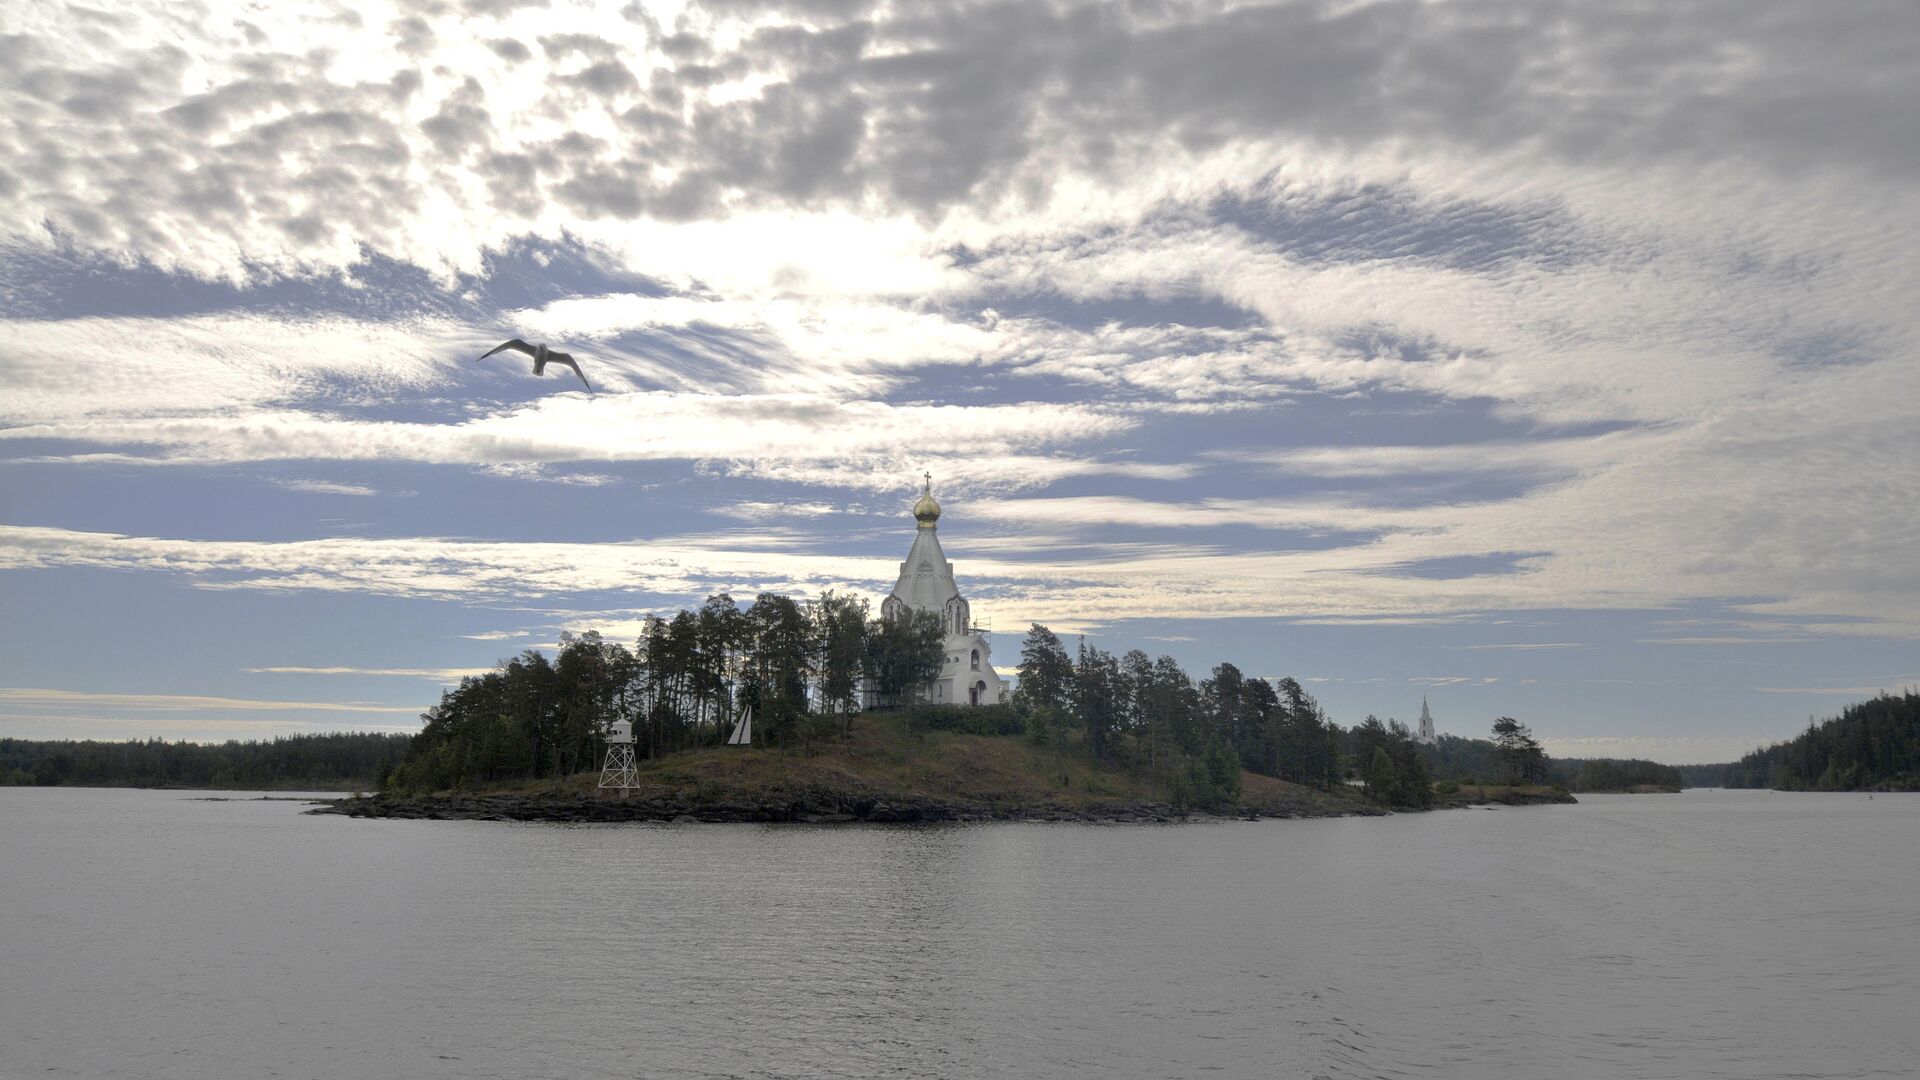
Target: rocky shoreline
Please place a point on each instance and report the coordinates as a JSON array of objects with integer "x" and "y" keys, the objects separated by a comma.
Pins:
[
  {"x": 671, "y": 808},
  {"x": 824, "y": 808}
]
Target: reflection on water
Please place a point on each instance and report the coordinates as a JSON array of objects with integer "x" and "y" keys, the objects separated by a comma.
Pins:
[{"x": 1734, "y": 934}]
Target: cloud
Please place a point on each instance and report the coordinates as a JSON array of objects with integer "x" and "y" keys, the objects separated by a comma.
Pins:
[
  {"x": 1122, "y": 510},
  {"x": 1522, "y": 646},
  {"x": 661, "y": 425},
  {"x": 122, "y": 368},
  {"x": 278, "y": 154},
  {"x": 1672, "y": 749},
  {"x": 31, "y": 696},
  {"x": 451, "y": 568},
  {"x": 326, "y": 487},
  {"x": 1565, "y": 456},
  {"x": 1076, "y": 583},
  {"x": 1725, "y": 639},
  {"x": 183, "y": 725},
  {"x": 1903, "y": 684},
  {"x": 441, "y": 674},
  {"x": 777, "y": 511}
]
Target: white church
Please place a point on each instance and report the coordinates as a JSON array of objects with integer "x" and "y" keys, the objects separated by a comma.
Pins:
[{"x": 926, "y": 584}]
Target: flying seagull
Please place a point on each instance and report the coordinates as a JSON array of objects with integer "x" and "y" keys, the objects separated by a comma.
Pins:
[{"x": 542, "y": 356}]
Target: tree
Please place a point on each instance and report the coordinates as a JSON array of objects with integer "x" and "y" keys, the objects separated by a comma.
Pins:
[
  {"x": 589, "y": 675},
  {"x": 1137, "y": 715},
  {"x": 1520, "y": 755},
  {"x": 781, "y": 662},
  {"x": 1046, "y": 671},
  {"x": 840, "y": 632},
  {"x": 904, "y": 654},
  {"x": 1298, "y": 730},
  {"x": 722, "y": 640},
  {"x": 1382, "y": 780},
  {"x": 1390, "y": 764},
  {"x": 1261, "y": 708},
  {"x": 1221, "y": 698},
  {"x": 1098, "y": 699}
]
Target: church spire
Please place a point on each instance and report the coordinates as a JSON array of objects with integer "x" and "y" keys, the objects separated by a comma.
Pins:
[{"x": 926, "y": 578}]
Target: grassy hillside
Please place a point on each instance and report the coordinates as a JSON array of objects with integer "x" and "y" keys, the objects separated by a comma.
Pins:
[{"x": 888, "y": 761}]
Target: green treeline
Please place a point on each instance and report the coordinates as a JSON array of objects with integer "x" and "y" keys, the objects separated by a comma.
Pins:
[
  {"x": 1512, "y": 756},
  {"x": 1714, "y": 775},
  {"x": 804, "y": 668},
  {"x": 1614, "y": 774},
  {"x": 1871, "y": 746},
  {"x": 1138, "y": 712},
  {"x": 328, "y": 762}
]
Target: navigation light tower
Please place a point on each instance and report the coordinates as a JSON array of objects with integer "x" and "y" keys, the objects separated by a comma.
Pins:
[{"x": 619, "y": 774}]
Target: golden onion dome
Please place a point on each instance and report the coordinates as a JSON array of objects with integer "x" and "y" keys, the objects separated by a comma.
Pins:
[{"x": 926, "y": 511}]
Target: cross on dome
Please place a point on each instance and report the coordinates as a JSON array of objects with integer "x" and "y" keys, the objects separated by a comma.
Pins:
[{"x": 926, "y": 511}]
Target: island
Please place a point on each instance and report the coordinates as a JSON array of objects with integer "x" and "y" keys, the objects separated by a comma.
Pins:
[{"x": 913, "y": 765}]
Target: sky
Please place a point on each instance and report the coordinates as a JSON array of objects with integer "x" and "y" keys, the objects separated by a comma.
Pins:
[{"x": 1558, "y": 360}]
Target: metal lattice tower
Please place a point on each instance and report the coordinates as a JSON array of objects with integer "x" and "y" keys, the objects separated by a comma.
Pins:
[{"x": 619, "y": 773}]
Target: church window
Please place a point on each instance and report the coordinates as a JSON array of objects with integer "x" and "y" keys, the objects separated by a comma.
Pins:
[{"x": 976, "y": 659}]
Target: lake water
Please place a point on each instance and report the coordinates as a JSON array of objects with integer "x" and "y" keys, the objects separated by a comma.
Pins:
[{"x": 1710, "y": 934}]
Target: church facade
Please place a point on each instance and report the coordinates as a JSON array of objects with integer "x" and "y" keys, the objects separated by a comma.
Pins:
[{"x": 967, "y": 676}]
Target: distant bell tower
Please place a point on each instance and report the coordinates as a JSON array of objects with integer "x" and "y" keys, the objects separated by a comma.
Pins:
[{"x": 1426, "y": 722}]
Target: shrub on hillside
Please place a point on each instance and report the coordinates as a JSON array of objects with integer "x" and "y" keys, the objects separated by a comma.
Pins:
[{"x": 970, "y": 720}]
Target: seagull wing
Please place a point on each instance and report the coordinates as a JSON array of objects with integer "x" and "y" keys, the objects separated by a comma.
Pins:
[
  {"x": 568, "y": 360},
  {"x": 515, "y": 344}
]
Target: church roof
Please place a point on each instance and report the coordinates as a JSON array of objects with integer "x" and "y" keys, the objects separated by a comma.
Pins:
[{"x": 926, "y": 578}]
